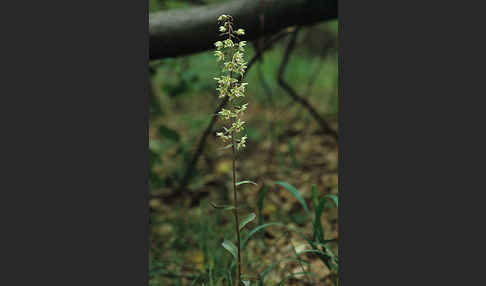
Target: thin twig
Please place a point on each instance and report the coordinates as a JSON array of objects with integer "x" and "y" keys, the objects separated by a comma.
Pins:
[
  {"x": 291, "y": 92},
  {"x": 313, "y": 77}
]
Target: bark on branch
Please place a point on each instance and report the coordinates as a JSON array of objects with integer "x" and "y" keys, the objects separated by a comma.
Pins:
[{"x": 180, "y": 32}]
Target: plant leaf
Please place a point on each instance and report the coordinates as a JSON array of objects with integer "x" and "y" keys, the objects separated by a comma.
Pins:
[
  {"x": 257, "y": 229},
  {"x": 333, "y": 198},
  {"x": 261, "y": 197},
  {"x": 222, "y": 207},
  {"x": 315, "y": 200},
  {"x": 228, "y": 245},
  {"x": 296, "y": 194},
  {"x": 246, "y": 220},
  {"x": 246, "y": 182}
]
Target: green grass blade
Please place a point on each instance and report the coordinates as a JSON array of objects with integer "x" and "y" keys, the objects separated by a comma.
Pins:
[
  {"x": 318, "y": 229},
  {"x": 333, "y": 198},
  {"x": 257, "y": 229},
  {"x": 222, "y": 207},
  {"x": 328, "y": 252},
  {"x": 315, "y": 200},
  {"x": 211, "y": 282},
  {"x": 230, "y": 277},
  {"x": 296, "y": 194},
  {"x": 246, "y": 182},
  {"x": 246, "y": 220},
  {"x": 261, "y": 197}
]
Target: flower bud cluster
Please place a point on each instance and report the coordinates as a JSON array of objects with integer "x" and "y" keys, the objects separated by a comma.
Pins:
[{"x": 231, "y": 53}]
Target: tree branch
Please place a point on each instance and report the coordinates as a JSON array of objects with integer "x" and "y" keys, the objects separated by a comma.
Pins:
[
  {"x": 180, "y": 32},
  {"x": 292, "y": 93}
]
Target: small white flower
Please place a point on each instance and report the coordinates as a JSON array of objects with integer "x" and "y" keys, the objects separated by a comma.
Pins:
[
  {"x": 222, "y": 17},
  {"x": 238, "y": 125},
  {"x": 237, "y": 57},
  {"x": 228, "y": 43},
  {"x": 219, "y": 45},
  {"x": 226, "y": 113},
  {"x": 222, "y": 92},
  {"x": 220, "y": 55},
  {"x": 229, "y": 66},
  {"x": 223, "y": 136},
  {"x": 242, "y": 143},
  {"x": 242, "y": 109},
  {"x": 222, "y": 29},
  {"x": 241, "y": 45},
  {"x": 240, "y": 32}
]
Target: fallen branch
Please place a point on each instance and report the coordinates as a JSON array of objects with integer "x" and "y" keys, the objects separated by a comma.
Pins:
[{"x": 184, "y": 31}]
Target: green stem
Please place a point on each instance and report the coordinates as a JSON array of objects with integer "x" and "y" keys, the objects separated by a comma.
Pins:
[{"x": 236, "y": 210}]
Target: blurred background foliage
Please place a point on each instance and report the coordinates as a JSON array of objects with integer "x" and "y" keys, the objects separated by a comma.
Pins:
[{"x": 284, "y": 144}]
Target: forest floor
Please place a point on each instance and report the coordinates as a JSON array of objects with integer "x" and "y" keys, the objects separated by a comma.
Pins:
[{"x": 187, "y": 228}]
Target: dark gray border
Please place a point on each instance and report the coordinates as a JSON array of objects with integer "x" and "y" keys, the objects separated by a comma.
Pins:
[
  {"x": 75, "y": 152},
  {"x": 406, "y": 142}
]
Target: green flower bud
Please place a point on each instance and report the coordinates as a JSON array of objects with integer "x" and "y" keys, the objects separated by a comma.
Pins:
[{"x": 241, "y": 143}]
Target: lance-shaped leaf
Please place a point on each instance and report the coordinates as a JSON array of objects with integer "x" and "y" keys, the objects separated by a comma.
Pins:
[
  {"x": 246, "y": 220},
  {"x": 296, "y": 194},
  {"x": 333, "y": 198},
  {"x": 257, "y": 229},
  {"x": 246, "y": 182},
  {"x": 222, "y": 207},
  {"x": 228, "y": 245}
]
